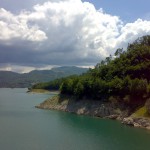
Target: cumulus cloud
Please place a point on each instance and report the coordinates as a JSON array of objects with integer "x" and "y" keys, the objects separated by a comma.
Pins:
[
  {"x": 16, "y": 27},
  {"x": 69, "y": 32},
  {"x": 131, "y": 31}
]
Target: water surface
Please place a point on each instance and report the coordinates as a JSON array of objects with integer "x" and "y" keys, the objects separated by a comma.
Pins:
[{"x": 23, "y": 127}]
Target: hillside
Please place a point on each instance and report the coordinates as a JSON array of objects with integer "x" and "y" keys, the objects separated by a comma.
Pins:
[
  {"x": 118, "y": 87},
  {"x": 12, "y": 79},
  {"x": 125, "y": 76}
]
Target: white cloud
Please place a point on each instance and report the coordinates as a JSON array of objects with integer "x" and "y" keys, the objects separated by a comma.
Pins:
[
  {"x": 17, "y": 27},
  {"x": 64, "y": 32},
  {"x": 23, "y": 69},
  {"x": 131, "y": 31}
]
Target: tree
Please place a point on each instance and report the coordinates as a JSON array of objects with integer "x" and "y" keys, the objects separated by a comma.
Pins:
[
  {"x": 79, "y": 90},
  {"x": 118, "y": 52}
]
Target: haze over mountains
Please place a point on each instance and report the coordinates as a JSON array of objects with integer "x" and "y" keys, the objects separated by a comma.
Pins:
[{"x": 14, "y": 80}]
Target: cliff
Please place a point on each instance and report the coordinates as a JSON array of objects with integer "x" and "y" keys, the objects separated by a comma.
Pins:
[{"x": 97, "y": 109}]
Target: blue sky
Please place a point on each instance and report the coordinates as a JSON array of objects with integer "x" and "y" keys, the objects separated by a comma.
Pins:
[
  {"x": 40, "y": 34},
  {"x": 128, "y": 10}
]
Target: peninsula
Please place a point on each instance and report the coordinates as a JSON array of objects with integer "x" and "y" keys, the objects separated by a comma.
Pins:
[{"x": 117, "y": 88}]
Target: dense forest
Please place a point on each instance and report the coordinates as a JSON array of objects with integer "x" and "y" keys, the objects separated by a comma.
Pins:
[{"x": 123, "y": 77}]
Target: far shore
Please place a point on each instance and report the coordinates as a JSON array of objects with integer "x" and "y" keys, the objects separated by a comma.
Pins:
[{"x": 42, "y": 91}]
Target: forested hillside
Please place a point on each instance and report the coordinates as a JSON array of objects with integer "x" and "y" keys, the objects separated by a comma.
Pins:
[
  {"x": 12, "y": 79},
  {"x": 124, "y": 77}
]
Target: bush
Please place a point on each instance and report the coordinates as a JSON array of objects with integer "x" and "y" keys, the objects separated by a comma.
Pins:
[{"x": 138, "y": 87}]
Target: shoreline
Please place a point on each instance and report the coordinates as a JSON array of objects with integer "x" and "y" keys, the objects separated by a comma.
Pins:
[
  {"x": 95, "y": 109},
  {"x": 42, "y": 91}
]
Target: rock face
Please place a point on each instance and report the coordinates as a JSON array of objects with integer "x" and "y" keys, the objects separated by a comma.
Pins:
[
  {"x": 84, "y": 107},
  {"x": 137, "y": 122},
  {"x": 94, "y": 108},
  {"x": 128, "y": 121}
]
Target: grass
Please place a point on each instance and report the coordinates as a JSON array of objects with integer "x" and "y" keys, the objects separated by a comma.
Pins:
[
  {"x": 56, "y": 100},
  {"x": 43, "y": 91},
  {"x": 141, "y": 112}
]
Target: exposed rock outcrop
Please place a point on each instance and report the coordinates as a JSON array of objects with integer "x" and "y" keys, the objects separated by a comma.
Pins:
[
  {"x": 95, "y": 108},
  {"x": 137, "y": 122},
  {"x": 84, "y": 107}
]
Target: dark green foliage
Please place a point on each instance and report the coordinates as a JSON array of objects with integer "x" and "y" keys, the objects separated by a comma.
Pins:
[
  {"x": 138, "y": 87},
  {"x": 127, "y": 75}
]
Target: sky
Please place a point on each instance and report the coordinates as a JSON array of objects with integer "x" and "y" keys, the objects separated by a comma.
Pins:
[{"x": 41, "y": 34}]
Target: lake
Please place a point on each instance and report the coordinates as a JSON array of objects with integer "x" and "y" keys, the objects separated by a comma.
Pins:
[{"x": 24, "y": 127}]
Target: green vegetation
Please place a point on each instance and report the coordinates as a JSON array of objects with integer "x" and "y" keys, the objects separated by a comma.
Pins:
[
  {"x": 39, "y": 91},
  {"x": 124, "y": 76},
  {"x": 141, "y": 112},
  {"x": 12, "y": 79},
  {"x": 51, "y": 85}
]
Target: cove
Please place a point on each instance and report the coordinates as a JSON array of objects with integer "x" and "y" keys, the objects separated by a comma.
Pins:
[{"x": 23, "y": 127}]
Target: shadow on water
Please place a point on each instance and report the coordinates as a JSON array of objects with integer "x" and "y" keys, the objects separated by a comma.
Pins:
[{"x": 104, "y": 131}]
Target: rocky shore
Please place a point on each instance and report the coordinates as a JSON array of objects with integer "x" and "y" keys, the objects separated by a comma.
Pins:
[
  {"x": 96, "y": 109},
  {"x": 137, "y": 122}
]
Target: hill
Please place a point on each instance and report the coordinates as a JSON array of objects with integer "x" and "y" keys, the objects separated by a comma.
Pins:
[
  {"x": 123, "y": 78},
  {"x": 117, "y": 88},
  {"x": 12, "y": 79}
]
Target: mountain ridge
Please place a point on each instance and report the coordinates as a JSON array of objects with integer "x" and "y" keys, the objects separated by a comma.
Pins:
[{"x": 10, "y": 79}]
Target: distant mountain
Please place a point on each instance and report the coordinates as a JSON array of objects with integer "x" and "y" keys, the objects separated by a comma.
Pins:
[{"x": 13, "y": 79}]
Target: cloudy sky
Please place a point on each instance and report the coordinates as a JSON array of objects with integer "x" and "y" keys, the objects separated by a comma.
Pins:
[{"x": 39, "y": 34}]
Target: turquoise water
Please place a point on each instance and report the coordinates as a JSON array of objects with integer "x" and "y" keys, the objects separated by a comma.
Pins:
[{"x": 23, "y": 127}]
